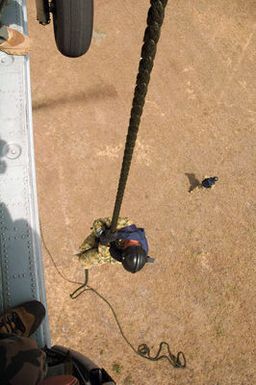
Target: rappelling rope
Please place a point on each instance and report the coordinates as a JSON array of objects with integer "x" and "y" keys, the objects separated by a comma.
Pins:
[
  {"x": 148, "y": 52},
  {"x": 152, "y": 34}
]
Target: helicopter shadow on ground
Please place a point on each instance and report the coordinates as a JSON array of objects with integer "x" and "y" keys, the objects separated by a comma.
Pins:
[{"x": 93, "y": 94}]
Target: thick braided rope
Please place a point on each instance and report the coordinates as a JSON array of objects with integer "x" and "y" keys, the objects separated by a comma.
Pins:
[{"x": 148, "y": 52}]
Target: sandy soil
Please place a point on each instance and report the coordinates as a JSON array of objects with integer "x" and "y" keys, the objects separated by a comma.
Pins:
[{"x": 199, "y": 120}]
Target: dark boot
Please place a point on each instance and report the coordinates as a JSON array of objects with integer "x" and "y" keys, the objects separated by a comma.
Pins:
[{"x": 22, "y": 320}]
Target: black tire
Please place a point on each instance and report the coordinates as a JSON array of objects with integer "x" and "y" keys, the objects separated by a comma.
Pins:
[{"x": 73, "y": 24}]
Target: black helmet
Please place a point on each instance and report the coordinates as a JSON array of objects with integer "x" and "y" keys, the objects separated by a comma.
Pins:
[{"x": 134, "y": 258}]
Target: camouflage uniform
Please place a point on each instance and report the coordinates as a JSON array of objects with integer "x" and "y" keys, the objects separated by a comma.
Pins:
[
  {"x": 91, "y": 252},
  {"x": 21, "y": 361}
]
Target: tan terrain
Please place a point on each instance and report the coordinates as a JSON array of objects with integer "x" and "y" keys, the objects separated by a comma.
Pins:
[{"x": 199, "y": 120}]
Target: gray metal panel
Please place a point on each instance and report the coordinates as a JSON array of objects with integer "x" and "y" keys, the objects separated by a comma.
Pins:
[{"x": 21, "y": 269}]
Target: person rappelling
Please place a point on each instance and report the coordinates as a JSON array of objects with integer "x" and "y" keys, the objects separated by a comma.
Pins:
[
  {"x": 117, "y": 240},
  {"x": 128, "y": 245}
]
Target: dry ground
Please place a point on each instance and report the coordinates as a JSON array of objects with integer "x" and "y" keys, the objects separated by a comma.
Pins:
[{"x": 199, "y": 119}]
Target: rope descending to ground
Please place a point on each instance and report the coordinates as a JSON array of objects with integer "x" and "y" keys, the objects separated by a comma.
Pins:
[
  {"x": 151, "y": 37},
  {"x": 148, "y": 52}
]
